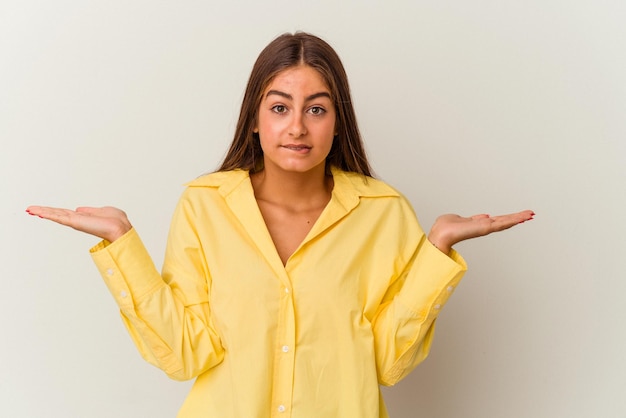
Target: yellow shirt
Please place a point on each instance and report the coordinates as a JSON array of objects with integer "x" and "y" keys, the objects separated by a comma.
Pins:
[{"x": 354, "y": 307}]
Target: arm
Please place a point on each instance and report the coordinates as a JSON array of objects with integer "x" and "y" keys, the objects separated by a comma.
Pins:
[
  {"x": 404, "y": 324},
  {"x": 167, "y": 317},
  {"x": 405, "y": 321}
]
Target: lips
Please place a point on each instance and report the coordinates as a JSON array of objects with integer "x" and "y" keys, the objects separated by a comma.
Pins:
[{"x": 296, "y": 147}]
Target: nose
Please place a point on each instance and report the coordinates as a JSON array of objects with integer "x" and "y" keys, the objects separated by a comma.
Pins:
[{"x": 297, "y": 128}]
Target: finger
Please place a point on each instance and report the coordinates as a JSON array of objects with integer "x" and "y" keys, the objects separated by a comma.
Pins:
[
  {"x": 481, "y": 216},
  {"x": 33, "y": 210},
  {"x": 528, "y": 215},
  {"x": 523, "y": 216},
  {"x": 58, "y": 215},
  {"x": 43, "y": 211},
  {"x": 503, "y": 222}
]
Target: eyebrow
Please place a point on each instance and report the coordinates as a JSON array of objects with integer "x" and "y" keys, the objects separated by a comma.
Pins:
[{"x": 290, "y": 97}]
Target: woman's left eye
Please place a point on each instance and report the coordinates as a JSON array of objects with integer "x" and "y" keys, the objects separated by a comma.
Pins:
[{"x": 317, "y": 110}]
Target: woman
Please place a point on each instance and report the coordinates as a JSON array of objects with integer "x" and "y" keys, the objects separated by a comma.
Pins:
[{"x": 293, "y": 283}]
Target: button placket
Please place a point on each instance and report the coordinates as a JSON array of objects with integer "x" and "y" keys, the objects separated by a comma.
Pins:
[{"x": 285, "y": 358}]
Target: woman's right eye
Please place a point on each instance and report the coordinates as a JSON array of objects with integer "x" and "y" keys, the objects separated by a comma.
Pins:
[{"x": 279, "y": 109}]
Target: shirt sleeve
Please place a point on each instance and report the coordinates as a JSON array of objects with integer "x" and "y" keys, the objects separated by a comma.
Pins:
[
  {"x": 167, "y": 316},
  {"x": 405, "y": 322}
]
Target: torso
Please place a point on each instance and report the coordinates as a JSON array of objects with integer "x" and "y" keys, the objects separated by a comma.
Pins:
[
  {"x": 287, "y": 227},
  {"x": 290, "y": 217}
]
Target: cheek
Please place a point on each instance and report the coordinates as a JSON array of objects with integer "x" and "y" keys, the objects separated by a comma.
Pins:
[
  {"x": 332, "y": 132},
  {"x": 263, "y": 142},
  {"x": 269, "y": 126}
]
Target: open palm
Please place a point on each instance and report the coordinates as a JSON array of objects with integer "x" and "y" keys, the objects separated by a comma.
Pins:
[
  {"x": 451, "y": 229},
  {"x": 108, "y": 223}
]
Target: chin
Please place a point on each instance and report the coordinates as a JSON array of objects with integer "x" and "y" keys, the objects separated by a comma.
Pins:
[{"x": 297, "y": 167}]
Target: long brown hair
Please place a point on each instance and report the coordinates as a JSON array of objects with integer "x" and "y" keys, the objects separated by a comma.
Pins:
[{"x": 347, "y": 152}]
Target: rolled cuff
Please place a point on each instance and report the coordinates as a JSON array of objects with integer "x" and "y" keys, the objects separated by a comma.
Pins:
[
  {"x": 127, "y": 254},
  {"x": 432, "y": 280}
]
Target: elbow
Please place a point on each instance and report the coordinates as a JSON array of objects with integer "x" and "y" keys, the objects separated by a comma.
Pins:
[
  {"x": 403, "y": 366},
  {"x": 181, "y": 374},
  {"x": 182, "y": 370}
]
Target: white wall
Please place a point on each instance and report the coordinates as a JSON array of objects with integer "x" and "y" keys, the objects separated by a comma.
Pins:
[{"x": 467, "y": 107}]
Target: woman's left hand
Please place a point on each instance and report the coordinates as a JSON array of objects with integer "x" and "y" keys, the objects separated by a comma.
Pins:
[{"x": 451, "y": 229}]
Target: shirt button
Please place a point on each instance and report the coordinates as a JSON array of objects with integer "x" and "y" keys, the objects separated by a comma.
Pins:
[
  {"x": 123, "y": 293},
  {"x": 110, "y": 272},
  {"x": 286, "y": 290},
  {"x": 281, "y": 408},
  {"x": 437, "y": 306},
  {"x": 285, "y": 348},
  {"x": 450, "y": 288}
]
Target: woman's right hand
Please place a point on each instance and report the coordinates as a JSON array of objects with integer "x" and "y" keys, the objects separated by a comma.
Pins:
[{"x": 108, "y": 223}]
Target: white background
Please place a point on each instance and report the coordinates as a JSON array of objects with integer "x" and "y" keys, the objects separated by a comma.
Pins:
[{"x": 465, "y": 106}]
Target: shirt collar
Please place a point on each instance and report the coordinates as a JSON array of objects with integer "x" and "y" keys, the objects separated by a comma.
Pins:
[
  {"x": 236, "y": 189},
  {"x": 347, "y": 185}
]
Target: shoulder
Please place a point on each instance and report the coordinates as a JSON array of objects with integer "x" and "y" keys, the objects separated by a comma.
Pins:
[
  {"x": 219, "y": 179},
  {"x": 221, "y": 182},
  {"x": 362, "y": 186},
  {"x": 378, "y": 207},
  {"x": 214, "y": 187},
  {"x": 353, "y": 189},
  {"x": 209, "y": 193}
]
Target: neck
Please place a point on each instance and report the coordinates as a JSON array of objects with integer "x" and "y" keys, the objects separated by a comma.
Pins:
[{"x": 293, "y": 189}]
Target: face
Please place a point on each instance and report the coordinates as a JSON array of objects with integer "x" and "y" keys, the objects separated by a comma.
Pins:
[{"x": 296, "y": 121}]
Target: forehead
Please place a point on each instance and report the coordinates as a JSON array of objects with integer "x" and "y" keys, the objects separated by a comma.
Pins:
[{"x": 301, "y": 78}]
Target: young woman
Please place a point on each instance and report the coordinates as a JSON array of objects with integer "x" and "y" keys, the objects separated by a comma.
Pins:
[{"x": 294, "y": 283}]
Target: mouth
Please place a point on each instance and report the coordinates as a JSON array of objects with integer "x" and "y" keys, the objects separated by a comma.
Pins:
[{"x": 297, "y": 147}]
